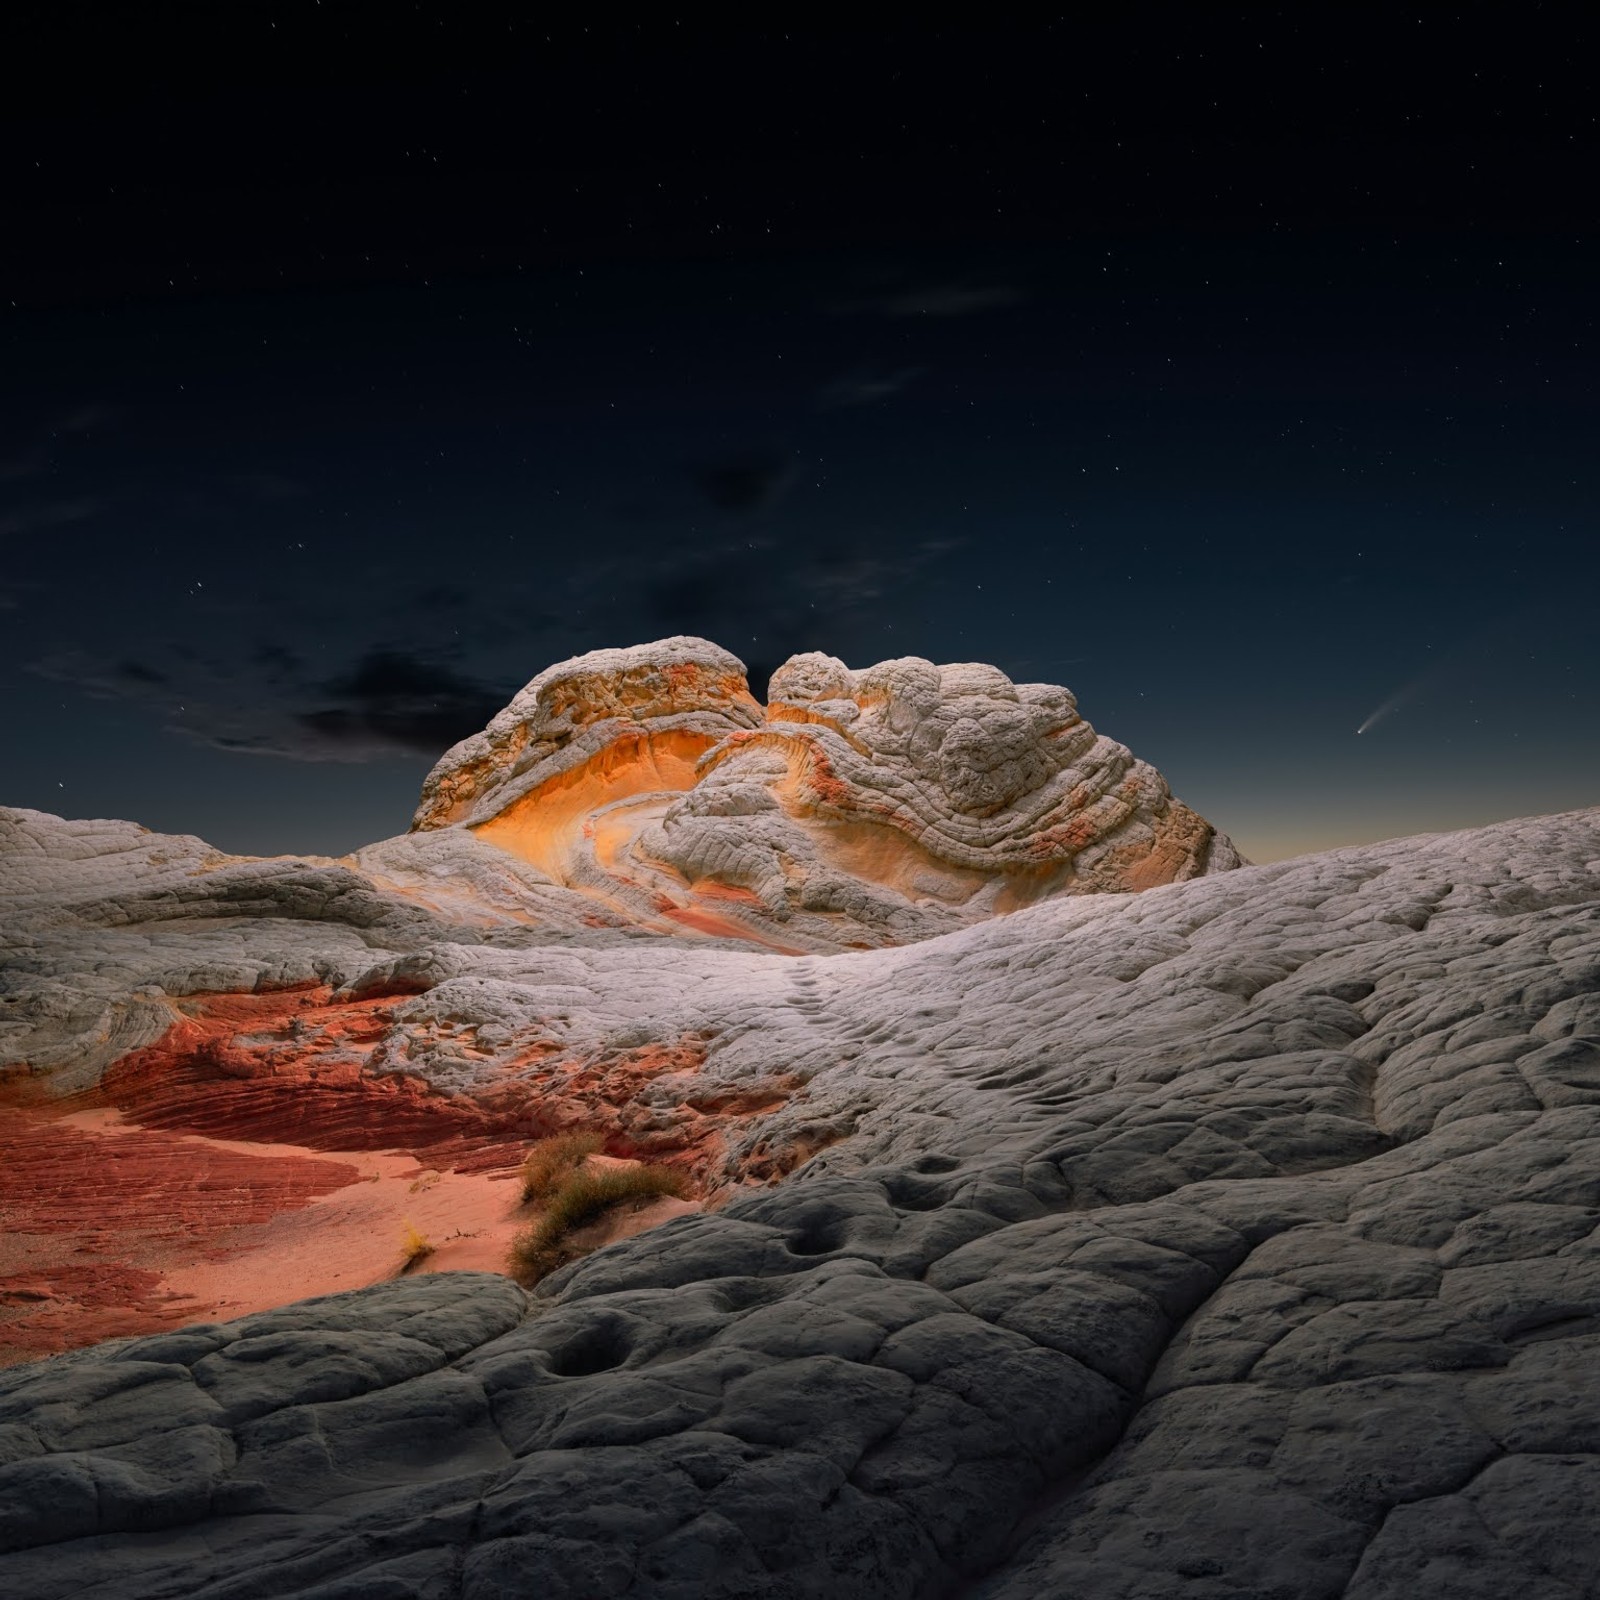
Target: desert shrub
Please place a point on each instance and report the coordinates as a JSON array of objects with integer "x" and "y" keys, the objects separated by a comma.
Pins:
[
  {"x": 584, "y": 1198},
  {"x": 552, "y": 1161},
  {"x": 414, "y": 1245}
]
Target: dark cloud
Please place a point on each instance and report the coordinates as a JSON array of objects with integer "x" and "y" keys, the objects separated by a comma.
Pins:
[
  {"x": 439, "y": 597},
  {"x": 387, "y": 703},
  {"x": 139, "y": 672},
  {"x": 279, "y": 661},
  {"x": 386, "y": 675},
  {"x": 424, "y": 729},
  {"x": 403, "y": 701},
  {"x": 749, "y": 482}
]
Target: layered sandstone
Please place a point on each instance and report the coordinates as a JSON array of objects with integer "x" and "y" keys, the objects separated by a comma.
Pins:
[
  {"x": 910, "y": 797},
  {"x": 590, "y": 731},
  {"x": 857, "y": 808}
]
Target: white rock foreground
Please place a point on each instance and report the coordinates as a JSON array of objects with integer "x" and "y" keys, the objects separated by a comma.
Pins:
[{"x": 1237, "y": 1238}]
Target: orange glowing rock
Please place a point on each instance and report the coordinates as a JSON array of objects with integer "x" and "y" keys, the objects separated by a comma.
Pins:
[
  {"x": 868, "y": 807},
  {"x": 574, "y": 712}
]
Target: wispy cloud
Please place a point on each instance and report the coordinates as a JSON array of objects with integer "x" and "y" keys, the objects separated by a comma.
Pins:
[
  {"x": 27, "y": 465},
  {"x": 941, "y": 300},
  {"x": 49, "y": 514},
  {"x": 85, "y": 418},
  {"x": 32, "y": 452},
  {"x": 866, "y": 387},
  {"x": 18, "y": 593}
]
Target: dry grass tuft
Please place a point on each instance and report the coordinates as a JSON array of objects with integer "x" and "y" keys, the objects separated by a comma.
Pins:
[
  {"x": 414, "y": 1245},
  {"x": 584, "y": 1198},
  {"x": 552, "y": 1161}
]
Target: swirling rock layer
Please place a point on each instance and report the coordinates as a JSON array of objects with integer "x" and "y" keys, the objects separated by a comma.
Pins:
[{"x": 860, "y": 808}]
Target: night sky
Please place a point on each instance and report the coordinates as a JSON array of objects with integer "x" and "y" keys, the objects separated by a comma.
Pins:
[{"x": 356, "y": 364}]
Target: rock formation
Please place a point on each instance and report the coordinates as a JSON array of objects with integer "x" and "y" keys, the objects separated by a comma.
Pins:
[
  {"x": 590, "y": 731},
  {"x": 1238, "y": 1237},
  {"x": 861, "y": 808}
]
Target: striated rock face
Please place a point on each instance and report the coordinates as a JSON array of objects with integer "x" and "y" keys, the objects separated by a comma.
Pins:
[
  {"x": 911, "y": 797},
  {"x": 861, "y": 808},
  {"x": 592, "y": 730},
  {"x": 1237, "y": 1238}
]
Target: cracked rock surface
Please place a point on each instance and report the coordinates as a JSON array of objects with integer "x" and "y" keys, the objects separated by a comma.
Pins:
[{"x": 1235, "y": 1239}]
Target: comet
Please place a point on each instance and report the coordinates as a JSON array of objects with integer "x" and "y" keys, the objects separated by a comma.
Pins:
[{"x": 1408, "y": 692}]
